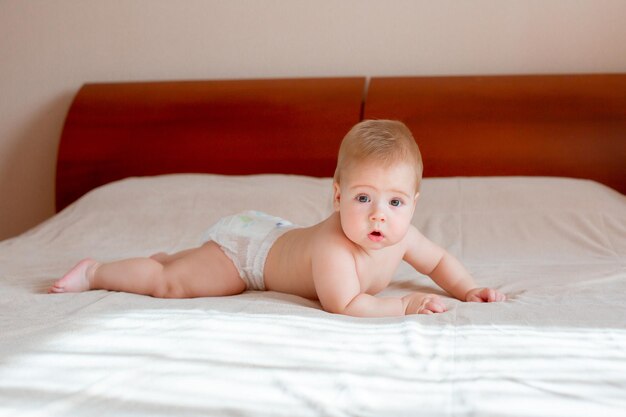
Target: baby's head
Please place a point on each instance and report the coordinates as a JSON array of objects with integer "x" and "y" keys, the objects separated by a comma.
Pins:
[
  {"x": 384, "y": 142},
  {"x": 379, "y": 171}
]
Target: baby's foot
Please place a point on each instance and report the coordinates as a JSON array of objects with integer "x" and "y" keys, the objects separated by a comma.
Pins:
[{"x": 78, "y": 279}]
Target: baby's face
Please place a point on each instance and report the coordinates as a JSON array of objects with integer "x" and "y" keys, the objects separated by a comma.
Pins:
[{"x": 376, "y": 203}]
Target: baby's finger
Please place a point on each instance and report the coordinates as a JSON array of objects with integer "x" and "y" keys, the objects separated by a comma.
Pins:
[
  {"x": 436, "y": 307},
  {"x": 433, "y": 306},
  {"x": 474, "y": 298},
  {"x": 479, "y": 297},
  {"x": 495, "y": 296}
]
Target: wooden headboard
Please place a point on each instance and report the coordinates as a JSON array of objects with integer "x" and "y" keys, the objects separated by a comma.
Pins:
[
  {"x": 118, "y": 130},
  {"x": 557, "y": 125},
  {"x": 560, "y": 125}
]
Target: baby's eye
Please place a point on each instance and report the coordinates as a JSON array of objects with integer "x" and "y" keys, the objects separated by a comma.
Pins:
[
  {"x": 362, "y": 198},
  {"x": 396, "y": 202}
]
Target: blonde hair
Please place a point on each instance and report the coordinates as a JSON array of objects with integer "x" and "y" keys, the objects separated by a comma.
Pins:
[{"x": 383, "y": 141}]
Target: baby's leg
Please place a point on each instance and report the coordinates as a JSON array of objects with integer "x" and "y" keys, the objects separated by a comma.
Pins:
[
  {"x": 201, "y": 272},
  {"x": 163, "y": 257}
]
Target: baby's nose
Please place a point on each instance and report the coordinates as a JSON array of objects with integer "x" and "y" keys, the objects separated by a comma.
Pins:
[{"x": 378, "y": 216}]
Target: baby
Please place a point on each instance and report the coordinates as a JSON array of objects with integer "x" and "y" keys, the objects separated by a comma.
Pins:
[{"x": 342, "y": 262}]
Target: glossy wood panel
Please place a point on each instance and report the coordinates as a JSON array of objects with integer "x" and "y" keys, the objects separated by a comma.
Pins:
[
  {"x": 556, "y": 125},
  {"x": 118, "y": 130}
]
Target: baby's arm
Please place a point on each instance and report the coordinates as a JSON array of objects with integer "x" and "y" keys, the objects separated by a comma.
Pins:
[
  {"x": 338, "y": 287},
  {"x": 447, "y": 272},
  {"x": 339, "y": 290}
]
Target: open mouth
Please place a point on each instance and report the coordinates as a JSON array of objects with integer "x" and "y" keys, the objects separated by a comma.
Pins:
[{"x": 375, "y": 236}]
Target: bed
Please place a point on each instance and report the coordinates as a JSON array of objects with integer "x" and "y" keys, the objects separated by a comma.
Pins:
[{"x": 524, "y": 182}]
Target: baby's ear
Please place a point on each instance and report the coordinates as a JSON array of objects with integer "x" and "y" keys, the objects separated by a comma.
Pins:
[{"x": 336, "y": 196}]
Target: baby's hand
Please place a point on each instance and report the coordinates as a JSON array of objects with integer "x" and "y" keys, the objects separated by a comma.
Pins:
[
  {"x": 484, "y": 295},
  {"x": 421, "y": 303}
]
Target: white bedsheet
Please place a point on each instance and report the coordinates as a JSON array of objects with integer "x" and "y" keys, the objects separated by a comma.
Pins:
[{"x": 557, "y": 247}]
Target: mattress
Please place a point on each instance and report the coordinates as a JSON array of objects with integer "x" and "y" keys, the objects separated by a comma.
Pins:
[{"x": 556, "y": 347}]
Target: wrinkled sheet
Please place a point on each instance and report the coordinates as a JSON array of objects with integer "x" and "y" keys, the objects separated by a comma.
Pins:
[{"x": 556, "y": 247}]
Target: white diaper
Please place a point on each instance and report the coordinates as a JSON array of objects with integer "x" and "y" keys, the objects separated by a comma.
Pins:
[{"x": 246, "y": 238}]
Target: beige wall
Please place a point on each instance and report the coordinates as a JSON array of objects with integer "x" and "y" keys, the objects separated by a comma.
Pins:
[{"x": 49, "y": 48}]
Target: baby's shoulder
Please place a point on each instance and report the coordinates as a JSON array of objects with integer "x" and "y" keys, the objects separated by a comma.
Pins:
[
  {"x": 328, "y": 236},
  {"x": 412, "y": 235}
]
